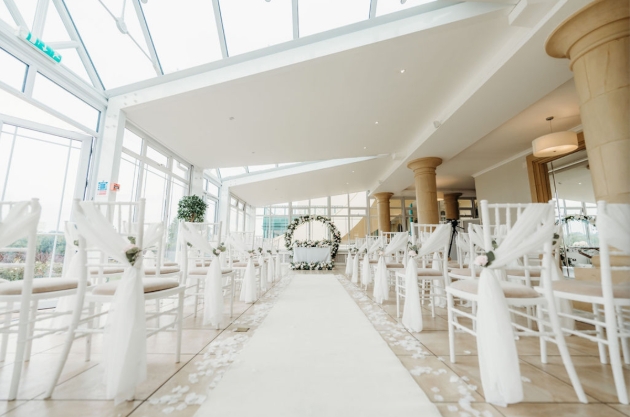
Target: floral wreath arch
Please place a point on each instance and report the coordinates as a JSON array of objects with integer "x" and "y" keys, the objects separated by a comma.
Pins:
[{"x": 334, "y": 242}]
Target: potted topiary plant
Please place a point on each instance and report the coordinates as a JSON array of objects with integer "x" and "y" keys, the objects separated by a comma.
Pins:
[{"x": 192, "y": 209}]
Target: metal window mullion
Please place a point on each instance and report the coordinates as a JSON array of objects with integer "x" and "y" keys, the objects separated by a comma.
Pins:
[
  {"x": 220, "y": 30},
  {"x": 296, "y": 19},
  {"x": 147, "y": 37},
  {"x": 81, "y": 50},
  {"x": 373, "y": 4},
  {"x": 61, "y": 198},
  {"x": 40, "y": 18},
  {"x": 29, "y": 82},
  {"x": 6, "y": 177},
  {"x": 15, "y": 13}
]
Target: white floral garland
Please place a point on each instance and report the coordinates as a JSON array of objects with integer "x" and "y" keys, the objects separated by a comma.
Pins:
[{"x": 333, "y": 243}]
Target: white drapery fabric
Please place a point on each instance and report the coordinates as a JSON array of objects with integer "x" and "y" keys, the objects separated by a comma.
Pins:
[
  {"x": 366, "y": 274},
  {"x": 355, "y": 269},
  {"x": 263, "y": 273},
  {"x": 349, "y": 265},
  {"x": 248, "y": 287},
  {"x": 125, "y": 350},
  {"x": 615, "y": 223},
  {"x": 237, "y": 243},
  {"x": 19, "y": 221},
  {"x": 381, "y": 283},
  {"x": 412, "y": 311},
  {"x": 213, "y": 290},
  {"x": 271, "y": 270},
  {"x": 498, "y": 358},
  {"x": 71, "y": 270}
]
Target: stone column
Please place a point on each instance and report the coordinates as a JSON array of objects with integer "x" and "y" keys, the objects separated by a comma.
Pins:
[
  {"x": 452, "y": 205},
  {"x": 426, "y": 188},
  {"x": 382, "y": 200},
  {"x": 596, "y": 41}
]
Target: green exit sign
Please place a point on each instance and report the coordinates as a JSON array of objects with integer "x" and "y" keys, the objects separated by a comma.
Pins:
[{"x": 40, "y": 45}]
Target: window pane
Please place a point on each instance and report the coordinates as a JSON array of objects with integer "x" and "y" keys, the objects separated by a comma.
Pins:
[
  {"x": 13, "y": 70},
  {"x": 320, "y": 15},
  {"x": 16, "y": 107},
  {"x": 178, "y": 190},
  {"x": 339, "y": 200},
  {"x": 300, "y": 203},
  {"x": 358, "y": 199},
  {"x": 157, "y": 156},
  {"x": 342, "y": 225},
  {"x": 154, "y": 193},
  {"x": 212, "y": 188},
  {"x": 255, "y": 24},
  {"x": 179, "y": 28},
  {"x": 211, "y": 211},
  {"x": 128, "y": 178},
  {"x": 180, "y": 169},
  {"x": 49, "y": 93},
  {"x": 319, "y": 202},
  {"x": 390, "y": 6},
  {"x": 132, "y": 142}
]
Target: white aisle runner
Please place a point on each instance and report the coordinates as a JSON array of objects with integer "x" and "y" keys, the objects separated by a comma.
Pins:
[{"x": 316, "y": 354}]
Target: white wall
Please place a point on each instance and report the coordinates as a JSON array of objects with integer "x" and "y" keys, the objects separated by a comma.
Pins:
[{"x": 508, "y": 183}]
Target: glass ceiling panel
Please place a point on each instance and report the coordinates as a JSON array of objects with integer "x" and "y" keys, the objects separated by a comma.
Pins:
[
  {"x": 391, "y": 6},
  {"x": 27, "y": 10},
  {"x": 13, "y": 70},
  {"x": 117, "y": 58},
  {"x": 5, "y": 15},
  {"x": 256, "y": 168},
  {"x": 254, "y": 24},
  {"x": 320, "y": 15},
  {"x": 230, "y": 172},
  {"x": 184, "y": 33}
]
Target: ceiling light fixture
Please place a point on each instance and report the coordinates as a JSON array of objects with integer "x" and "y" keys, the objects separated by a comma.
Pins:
[
  {"x": 231, "y": 117},
  {"x": 376, "y": 122},
  {"x": 365, "y": 147},
  {"x": 402, "y": 71},
  {"x": 553, "y": 144}
]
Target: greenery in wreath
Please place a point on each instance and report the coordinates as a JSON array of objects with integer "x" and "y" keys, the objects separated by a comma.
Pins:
[
  {"x": 336, "y": 236},
  {"x": 577, "y": 218}
]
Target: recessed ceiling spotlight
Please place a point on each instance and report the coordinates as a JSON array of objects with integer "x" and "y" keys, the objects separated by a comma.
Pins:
[
  {"x": 253, "y": 152},
  {"x": 231, "y": 117},
  {"x": 353, "y": 172},
  {"x": 403, "y": 1},
  {"x": 402, "y": 71},
  {"x": 579, "y": 183},
  {"x": 347, "y": 183},
  {"x": 365, "y": 147},
  {"x": 376, "y": 122}
]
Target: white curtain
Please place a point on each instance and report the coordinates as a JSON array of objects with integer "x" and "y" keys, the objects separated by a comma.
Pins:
[{"x": 498, "y": 358}]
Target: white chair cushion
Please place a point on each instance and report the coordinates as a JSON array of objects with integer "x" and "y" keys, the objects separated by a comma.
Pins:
[
  {"x": 163, "y": 270},
  {"x": 429, "y": 272},
  {"x": 40, "y": 285},
  {"x": 510, "y": 289},
  {"x": 243, "y": 264},
  {"x": 108, "y": 270},
  {"x": 150, "y": 285},
  {"x": 521, "y": 273},
  {"x": 463, "y": 272},
  {"x": 204, "y": 271},
  {"x": 394, "y": 265}
]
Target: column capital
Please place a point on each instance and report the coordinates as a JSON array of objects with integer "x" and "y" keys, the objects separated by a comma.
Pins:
[
  {"x": 588, "y": 28},
  {"x": 452, "y": 196},
  {"x": 422, "y": 164},
  {"x": 384, "y": 196}
]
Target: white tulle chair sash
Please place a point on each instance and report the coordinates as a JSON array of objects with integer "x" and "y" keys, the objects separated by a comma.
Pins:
[
  {"x": 614, "y": 222},
  {"x": 19, "y": 222},
  {"x": 213, "y": 290},
  {"x": 125, "y": 350},
  {"x": 381, "y": 284},
  {"x": 498, "y": 358},
  {"x": 355, "y": 269}
]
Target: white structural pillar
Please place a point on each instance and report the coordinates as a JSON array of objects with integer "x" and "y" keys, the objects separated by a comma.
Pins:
[{"x": 109, "y": 152}]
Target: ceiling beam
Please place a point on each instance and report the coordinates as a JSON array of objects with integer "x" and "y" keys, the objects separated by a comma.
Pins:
[
  {"x": 147, "y": 37},
  {"x": 218, "y": 20},
  {"x": 373, "y": 4},
  {"x": 296, "y": 19}
]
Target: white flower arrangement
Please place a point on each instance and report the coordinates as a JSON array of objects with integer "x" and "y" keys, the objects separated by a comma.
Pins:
[
  {"x": 312, "y": 266},
  {"x": 333, "y": 243}
]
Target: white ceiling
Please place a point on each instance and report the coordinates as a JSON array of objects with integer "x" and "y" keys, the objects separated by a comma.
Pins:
[{"x": 474, "y": 75}]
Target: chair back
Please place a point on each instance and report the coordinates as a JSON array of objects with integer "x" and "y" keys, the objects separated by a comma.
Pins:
[
  {"x": 613, "y": 228},
  {"x": 18, "y": 242}
]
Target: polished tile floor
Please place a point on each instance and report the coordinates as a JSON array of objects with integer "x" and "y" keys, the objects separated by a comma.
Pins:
[{"x": 177, "y": 388}]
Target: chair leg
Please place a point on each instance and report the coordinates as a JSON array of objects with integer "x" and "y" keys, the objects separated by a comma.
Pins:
[
  {"x": 232, "y": 297},
  {"x": 180, "y": 320},
  {"x": 88, "y": 337},
  {"x": 5, "y": 336},
  {"x": 158, "y": 309},
  {"x": 603, "y": 357},
  {"x": 451, "y": 327},
  {"x": 196, "y": 286},
  {"x": 564, "y": 351},
  {"x": 397, "y": 299},
  {"x": 473, "y": 308},
  {"x": 541, "y": 329},
  {"x": 432, "y": 296},
  {"x": 31, "y": 330},
  {"x": 613, "y": 351},
  {"x": 624, "y": 340}
]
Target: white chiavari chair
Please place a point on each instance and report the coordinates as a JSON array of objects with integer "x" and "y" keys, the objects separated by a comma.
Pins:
[
  {"x": 433, "y": 266},
  {"x": 518, "y": 232},
  {"x": 197, "y": 276},
  {"x": 102, "y": 239},
  {"x": 607, "y": 298},
  {"x": 18, "y": 243}
]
